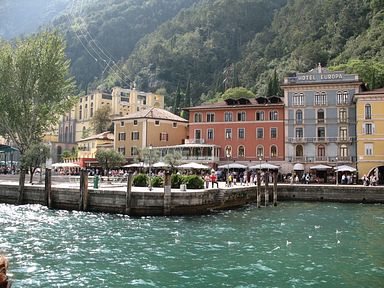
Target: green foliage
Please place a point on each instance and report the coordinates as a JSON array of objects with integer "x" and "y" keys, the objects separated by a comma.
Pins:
[
  {"x": 140, "y": 180},
  {"x": 101, "y": 120},
  {"x": 34, "y": 88},
  {"x": 237, "y": 93},
  {"x": 193, "y": 182},
  {"x": 176, "y": 180},
  {"x": 109, "y": 159},
  {"x": 157, "y": 181},
  {"x": 173, "y": 159},
  {"x": 34, "y": 157},
  {"x": 66, "y": 154}
]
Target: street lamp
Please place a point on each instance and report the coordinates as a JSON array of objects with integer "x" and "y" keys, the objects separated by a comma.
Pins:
[
  {"x": 228, "y": 159},
  {"x": 259, "y": 174},
  {"x": 150, "y": 168},
  {"x": 337, "y": 174}
]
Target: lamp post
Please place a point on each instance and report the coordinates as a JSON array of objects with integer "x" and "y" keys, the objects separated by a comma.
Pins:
[
  {"x": 150, "y": 168},
  {"x": 337, "y": 174},
  {"x": 228, "y": 159}
]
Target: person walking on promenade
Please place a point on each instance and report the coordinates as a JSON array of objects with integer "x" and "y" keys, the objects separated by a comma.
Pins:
[
  {"x": 206, "y": 180},
  {"x": 214, "y": 179},
  {"x": 4, "y": 282}
]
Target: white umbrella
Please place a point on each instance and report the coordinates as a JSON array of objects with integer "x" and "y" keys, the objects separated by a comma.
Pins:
[
  {"x": 65, "y": 165},
  {"x": 160, "y": 165},
  {"x": 232, "y": 166},
  {"x": 136, "y": 165},
  {"x": 264, "y": 166},
  {"x": 193, "y": 165},
  {"x": 320, "y": 167},
  {"x": 344, "y": 168}
]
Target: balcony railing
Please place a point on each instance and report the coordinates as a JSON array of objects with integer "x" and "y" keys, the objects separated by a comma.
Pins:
[
  {"x": 297, "y": 140},
  {"x": 194, "y": 141}
]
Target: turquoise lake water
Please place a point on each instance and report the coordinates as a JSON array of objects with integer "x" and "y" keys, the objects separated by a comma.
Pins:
[{"x": 295, "y": 244}]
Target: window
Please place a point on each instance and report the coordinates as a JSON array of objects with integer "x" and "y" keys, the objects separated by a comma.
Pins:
[
  {"x": 299, "y": 132},
  {"x": 228, "y": 151},
  {"x": 174, "y": 124},
  {"x": 368, "y": 112},
  {"x": 163, "y": 136},
  {"x": 241, "y": 133},
  {"x": 121, "y": 136},
  {"x": 273, "y": 115},
  {"x": 81, "y": 99},
  {"x": 298, "y": 99},
  {"x": 228, "y": 116},
  {"x": 321, "y": 133},
  {"x": 273, "y": 151},
  {"x": 80, "y": 111},
  {"x": 241, "y": 151},
  {"x": 210, "y": 117},
  {"x": 320, "y": 98},
  {"x": 135, "y": 122},
  {"x": 343, "y": 133},
  {"x": 197, "y": 134},
  {"x": 241, "y": 116},
  {"x": 343, "y": 115},
  {"x": 368, "y": 147},
  {"x": 260, "y": 133},
  {"x": 86, "y": 111},
  {"x": 299, "y": 151},
  {"x": 321, "y": 151},
  {"x": 210, "y": 134},
  {"x": 299, "y": 117},
  {"x": 368, "y": 129},
  {"x": 91, "y": 113},
  {"x": 121, "y": 150},
  {"x": 121, "y": 123},
  {"x": 157, "y": 122},
  {"x": 228, "y": 133},
  {"x": 135, "y": 135},
  {"x": 134, "y": 151},
  {"x": 259, "y": 116},
  {"x": 343, "y": 151},
  {"x": 273, "y": 133},
  {"x": 342, "y": 98},
  {"x": 198, "y": 117},
  {"x": 260, "y": 151},
  {"x": 320, "y": 116}
]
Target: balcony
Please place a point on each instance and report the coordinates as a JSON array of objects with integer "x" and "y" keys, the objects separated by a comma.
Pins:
[
  {"x": 297, "y": 140},
  {"x": 320, "y": 140}
]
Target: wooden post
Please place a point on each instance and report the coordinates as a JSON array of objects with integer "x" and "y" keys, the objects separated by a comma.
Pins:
[
  {"x": 266, "y": 193},
  {"x": 128, "y": 194},
  {"x": 167, "y": 193},
  {"x": 274, "y": 188},
  {"x": 258, "y": 196},
  {"x": 20, "y": 199},
  {"x": 48, "y": 188},
  {"x": 83, "y": 201}
]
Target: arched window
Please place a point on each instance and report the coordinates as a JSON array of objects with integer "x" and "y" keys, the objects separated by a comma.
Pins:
[
  {"x": 241, "y": 151},
  {"x": 228, "y": 151},
  {"x": 260, "y": 151},
  {"x": 299, "y": 151},
  {"x": 273, "y": 151},
  {"x": 198, "y": 117},
  {"x": 91, "y": 113},
  {"x": 368, "y": 111},
  {"x": 86, "y": 111},
  {"x": 273, "y": 115},
  {"x": 320, "y": 116},
  {"x": 80, "y": 112},
  {"x": 299, "y": 117}
]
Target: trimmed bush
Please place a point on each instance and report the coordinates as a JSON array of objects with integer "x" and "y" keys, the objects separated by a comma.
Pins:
[
  {"x": 193, "y": 182},
  {"x": 140, "y": 180},
  {"x": 176, "y": 180},
  {"x": 157, "y": 181}
]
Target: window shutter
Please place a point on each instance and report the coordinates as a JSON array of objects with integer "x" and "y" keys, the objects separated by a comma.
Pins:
[
  {"x": 373, "y": 128},
  {"x": 363, "y": 129}
]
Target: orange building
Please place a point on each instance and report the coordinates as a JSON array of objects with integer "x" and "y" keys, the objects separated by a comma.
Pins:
[{"x": 248, "y": 130}]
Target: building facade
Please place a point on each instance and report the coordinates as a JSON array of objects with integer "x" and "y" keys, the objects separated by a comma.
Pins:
[
  {"x": 247, "y": 130},
  {"x": 370, "y": 133},
  {"x": 150, "y": 127},
  {"x": 320, "y": 124}
]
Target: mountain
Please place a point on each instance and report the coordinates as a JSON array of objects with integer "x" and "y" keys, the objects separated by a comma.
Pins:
[{"x": 22, "y": 17}]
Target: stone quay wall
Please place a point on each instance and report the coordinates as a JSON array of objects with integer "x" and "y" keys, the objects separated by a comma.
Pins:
[{"x": 190, "y": 202}]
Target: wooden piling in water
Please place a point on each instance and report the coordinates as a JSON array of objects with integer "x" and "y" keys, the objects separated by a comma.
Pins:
[
  {"x": 48, "y": 188},
  {"x": 167, "y": 193},
  {"x": 274, "y": 188},
  {"x": 83, "y": 201},
  {"x": 128, "y": 195},
  {"x": 266, "y": 193},
  {"x": 258, "y": 190}
]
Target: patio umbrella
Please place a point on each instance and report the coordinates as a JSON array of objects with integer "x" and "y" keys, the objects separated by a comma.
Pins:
[
  {"x": 344, "y": 168},
  {"x": 65, "y": 165},
  {"x": 264, "y": 166},
  {"x": 232, "y": 166},
  {"x": 136, "y": 165},
  {"x": 160, "y": 165},
  {"x": 320, "y": 167},
  {"x": 193, "y": 165}
]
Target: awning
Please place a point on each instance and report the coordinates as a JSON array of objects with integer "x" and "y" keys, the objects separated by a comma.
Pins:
[
  {"x": 320, "y": 167},
  {"x": 232, "y": 166},
  {"x": 344, "y": 168},
  {"x": 298, "y": 167},
  {"x": 264, "y": 166}
]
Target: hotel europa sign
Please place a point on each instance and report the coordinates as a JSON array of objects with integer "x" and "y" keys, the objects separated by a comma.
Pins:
[{"x": 319, "y": 77}]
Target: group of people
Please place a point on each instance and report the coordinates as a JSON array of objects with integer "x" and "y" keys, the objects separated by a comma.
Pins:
[{"x": 369, "y": 181}]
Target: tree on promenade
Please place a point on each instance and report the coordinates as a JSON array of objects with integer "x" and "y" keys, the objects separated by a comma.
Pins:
[
  {"x": 109, "y": 159},
  {"x": 35, "y": 89},
  {"x": 35, "y": 155}
]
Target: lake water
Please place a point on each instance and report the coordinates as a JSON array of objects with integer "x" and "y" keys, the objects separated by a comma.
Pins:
[{"x": 295, "y": 244}]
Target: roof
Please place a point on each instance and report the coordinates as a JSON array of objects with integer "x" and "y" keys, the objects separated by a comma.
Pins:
[
  {"x": 372, "y": 92},
  {"x": 107, "y": 135},
  {"x": 257, "y": 102},
  {"x": 6, "y": 148},
  {"x": 153, "y": 113}
]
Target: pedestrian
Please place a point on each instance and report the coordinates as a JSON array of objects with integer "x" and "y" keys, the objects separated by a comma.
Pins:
[
  {"x": 214, "y": 179},
  {"x": 206, "y": 180}
]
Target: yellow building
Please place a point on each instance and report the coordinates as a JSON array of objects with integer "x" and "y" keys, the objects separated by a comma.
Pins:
[
  {"x": 370, "y": 133},
  {"x": 87, "y": 147},
  {"x": 153, "y": 126}
]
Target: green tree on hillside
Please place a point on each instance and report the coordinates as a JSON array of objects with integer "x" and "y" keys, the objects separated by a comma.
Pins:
[
  {"x": 35, "y": 89},
  {"x": 101, "y": 120}
]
